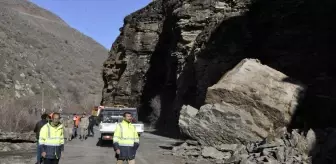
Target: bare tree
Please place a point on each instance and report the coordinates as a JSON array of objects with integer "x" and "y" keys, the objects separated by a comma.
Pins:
[{"x": 15, "y": 115}]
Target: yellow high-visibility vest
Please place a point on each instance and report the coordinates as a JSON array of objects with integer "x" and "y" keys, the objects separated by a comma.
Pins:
[
  {"x": 125, "y": 134},
  {"x": 51, "y": 137}
]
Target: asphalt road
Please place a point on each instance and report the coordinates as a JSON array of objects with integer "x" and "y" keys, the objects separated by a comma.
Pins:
[{"x": 149, "y": 152}]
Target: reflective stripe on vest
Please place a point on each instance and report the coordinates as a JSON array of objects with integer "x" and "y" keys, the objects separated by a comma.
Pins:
[
  {"x": 53, "y": 139},
  {"x": 125, "y": 141}
]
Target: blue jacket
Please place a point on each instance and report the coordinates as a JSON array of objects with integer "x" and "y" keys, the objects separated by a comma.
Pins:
[{"x": 38, "y": 127}]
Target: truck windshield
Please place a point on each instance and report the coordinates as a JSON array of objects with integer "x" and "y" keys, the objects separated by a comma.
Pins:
[{"x": 115, "y": 115}]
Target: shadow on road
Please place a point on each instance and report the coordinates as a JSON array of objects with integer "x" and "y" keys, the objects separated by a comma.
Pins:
[
  {"x": 170, "y": 147},
  {"x": 169, "y": 134},
  {"x": 104, "y": 143},
  {"x": 166, "y": 147}
]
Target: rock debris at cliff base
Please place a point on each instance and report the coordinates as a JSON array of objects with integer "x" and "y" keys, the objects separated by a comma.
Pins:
[
  {"x": 314, "y": 147},
  {"x": 289, "y": 148}
]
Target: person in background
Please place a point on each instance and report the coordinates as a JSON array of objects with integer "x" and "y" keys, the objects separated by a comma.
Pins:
[
  {"x": 48, "y": 118},
  {"x": 78, "y": 119},
  {"x": 74, "y": 132},
  {"x": 83, "y": 126},
  {"x": 68, "y": 128},
  {"x": 51, "y": 140},
  {"x": 92, "y": 122},
  {"x": 37, "y": 129},
  {"x": 62, "y": 119}
]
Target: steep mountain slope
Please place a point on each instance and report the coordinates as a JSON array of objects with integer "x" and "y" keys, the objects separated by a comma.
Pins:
[
  {"x": 176, "y": 49},
  {"x": 40, "y": 53}
]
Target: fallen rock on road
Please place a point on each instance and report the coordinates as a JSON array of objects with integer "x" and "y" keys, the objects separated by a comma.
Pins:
[{"x": 245, "y": 105}]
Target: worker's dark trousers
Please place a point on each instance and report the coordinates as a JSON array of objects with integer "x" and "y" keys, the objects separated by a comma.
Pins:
[
  {"x": 38, "y": 155},
  {"x": 74, "y": 132},
  {"x": 50, "y": 161},
  {"x": 90, "y": 130}
]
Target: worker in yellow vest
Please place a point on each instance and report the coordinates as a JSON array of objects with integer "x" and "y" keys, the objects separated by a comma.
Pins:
[
  {"x": 51, "y": 140},
  {"x": 126, "y": 140}
]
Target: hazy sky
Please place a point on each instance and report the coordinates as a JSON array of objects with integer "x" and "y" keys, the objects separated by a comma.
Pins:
[{"x": 99, "y": 19}]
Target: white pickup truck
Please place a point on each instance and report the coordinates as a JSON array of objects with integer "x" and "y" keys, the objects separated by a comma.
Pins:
[{"x": 110, "y": 117}]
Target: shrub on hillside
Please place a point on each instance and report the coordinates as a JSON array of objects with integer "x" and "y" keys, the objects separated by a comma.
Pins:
[{"x": 17, "y": 115}]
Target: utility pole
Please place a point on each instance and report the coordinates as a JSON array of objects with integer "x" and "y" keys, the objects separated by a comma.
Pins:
[
  {"x": 42, "y": 96},
  {"x": 42, "y": 107}
]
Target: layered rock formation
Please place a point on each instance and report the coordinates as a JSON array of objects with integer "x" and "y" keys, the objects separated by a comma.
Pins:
[
  {"x": 154, "y": 55},
  {"x": 177, "y": 49},
  {"x": 17, "y": 147},
  {"x": 17, "y": 137}
]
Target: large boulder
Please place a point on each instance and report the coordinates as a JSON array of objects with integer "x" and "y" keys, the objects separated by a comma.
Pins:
[{"x": 245, "y": 105}]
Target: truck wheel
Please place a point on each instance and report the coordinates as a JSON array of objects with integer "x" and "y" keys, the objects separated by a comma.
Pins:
[{"x": 101, "y": 140}]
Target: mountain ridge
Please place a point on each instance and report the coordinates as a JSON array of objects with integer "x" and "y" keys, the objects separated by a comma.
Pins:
[{"x": 40, "y": 52}]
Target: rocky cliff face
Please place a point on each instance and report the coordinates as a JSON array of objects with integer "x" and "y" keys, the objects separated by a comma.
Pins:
[
  {"x": 177, "y": 49},
  {"x": 40, "y": 53}
]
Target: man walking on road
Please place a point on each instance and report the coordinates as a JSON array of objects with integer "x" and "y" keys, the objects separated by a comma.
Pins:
[
  {"x": 68, "y": 128},
  {"x": 83, "y": 126},
  {"x": 126, "y": 140},
  {"x": 37, "y": 129},
  {"x": 75, "y": 122},
  {"x": 52, "y": 140},
  {"x": 92, "y": 122}
]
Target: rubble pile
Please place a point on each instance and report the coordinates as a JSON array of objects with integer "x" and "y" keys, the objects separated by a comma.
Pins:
[{"x": 281, "y": 147}]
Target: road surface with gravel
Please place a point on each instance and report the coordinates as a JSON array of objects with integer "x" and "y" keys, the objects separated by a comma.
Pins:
[{"x": 151, "y": 151}]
